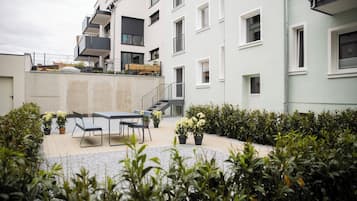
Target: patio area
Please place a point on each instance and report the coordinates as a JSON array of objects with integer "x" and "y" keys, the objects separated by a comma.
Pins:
[{"x": 56, "y": 145}]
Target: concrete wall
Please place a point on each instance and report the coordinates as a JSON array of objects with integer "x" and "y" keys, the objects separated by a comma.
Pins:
[
  {"x": 87, "y": 93},
  {"x": 315, "y": 88},
  {"x": 14, "y": 66}
]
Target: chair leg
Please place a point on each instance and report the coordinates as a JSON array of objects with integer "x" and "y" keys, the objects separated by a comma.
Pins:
[
  {"x": 74, "y": 129},
  {"x": 149, "y": 134},
  {"x": 80, "y": 144},
  {"x": 101, "y": 138}
]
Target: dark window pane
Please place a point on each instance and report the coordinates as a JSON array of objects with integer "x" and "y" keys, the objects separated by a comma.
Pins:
[
  {"x": 155, "y": 17},
  {"x": 253, "y": 28},
  {"x": 348, "y": 50},
  {"x": 132, "y": 31},
  {"x": 154, "y": 54},
  {"x": 300, "y": 34},
  {"x": 131, "y": 58},
  {"x": 153, "y": 2},
  {"x": 255, "y": 85},
  {"x": 177, "y": 3}
]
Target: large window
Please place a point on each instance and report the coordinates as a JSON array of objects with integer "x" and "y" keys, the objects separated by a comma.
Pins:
[
  {"x": 132, "y": 31},
  {"x": 155, "y": 17},
  {"x": 255, "y": 85},
  {"x": 179, "y": 39},
  {"x": 154, "y": 54},
  {"x": 343, "y": 51},
  {"x": 203, "y": 72},
  {"x": 203, "y": 17},
  {"x": 250, "y": 26},
  {"x": 297, "y": 48},
  {"x": 348, "y": 50},
  {"x": 131, "y": 58}
]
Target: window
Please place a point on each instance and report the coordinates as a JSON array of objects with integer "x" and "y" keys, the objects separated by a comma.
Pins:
[
  {"x": 153, "y": 2},
  {"x": 154, "y": 54},
  {"x": 203, "y": 72},
  {"x": 250, "y": 26},
  {"x": 255, "y": 85},
  {"x": 177, "y": 3},
  {"x": 222, "y": 62},
  {"x": 348, "y": 50},
  {"x": 155, "y": 17},
  {"x": 132, "y": 31},
  {"x": 203, "y": 17},
  {"x": 179, "y": 39},
  {"x": 343, "y": 51},
  {"x": 297, "y": 48},
  {"x": 131, "y": 58},
  {"x": 221, "y": 9}
]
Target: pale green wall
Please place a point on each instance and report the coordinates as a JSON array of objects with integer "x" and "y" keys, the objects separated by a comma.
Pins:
[{"x": 314, "y": 90}]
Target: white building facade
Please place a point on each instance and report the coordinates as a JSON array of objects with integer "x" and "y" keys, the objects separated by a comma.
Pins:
[{"x": 278, "y": 55}]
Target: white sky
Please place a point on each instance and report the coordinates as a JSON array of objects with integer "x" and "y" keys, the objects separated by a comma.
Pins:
[{"x": 49, "y": 26}]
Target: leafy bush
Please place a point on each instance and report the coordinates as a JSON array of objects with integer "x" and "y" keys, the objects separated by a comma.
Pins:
[{"x": 262, "y": 126}]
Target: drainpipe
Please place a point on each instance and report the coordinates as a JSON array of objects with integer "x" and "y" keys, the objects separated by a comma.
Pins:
[{"x": 286, "y": 56}]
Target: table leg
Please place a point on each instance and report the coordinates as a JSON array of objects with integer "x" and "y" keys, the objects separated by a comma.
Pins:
[{"x": 109, "y": 131}]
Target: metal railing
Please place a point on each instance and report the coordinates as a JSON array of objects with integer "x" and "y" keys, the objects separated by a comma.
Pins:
[
  {"x": 179, "y": 43},
  {"x": 167, "y": 92}
]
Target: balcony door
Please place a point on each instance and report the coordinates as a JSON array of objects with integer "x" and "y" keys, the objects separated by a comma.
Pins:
[
  {"x": 179, "y": 37},
  {"x": 179, "y": 83}
]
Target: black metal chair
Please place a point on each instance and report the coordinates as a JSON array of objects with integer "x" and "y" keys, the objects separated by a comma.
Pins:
[
  {"x": 86, "y": 127},
  {"x": 141, "y": 125},
  {"x": 123, "y": 124}
]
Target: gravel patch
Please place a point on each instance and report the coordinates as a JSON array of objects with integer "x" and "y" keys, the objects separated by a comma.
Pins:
[{"x": 107, "y": 163}]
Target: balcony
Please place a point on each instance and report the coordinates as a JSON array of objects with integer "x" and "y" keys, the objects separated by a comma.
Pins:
[
  {"x": 143, "y": 69},
  {"x": 93, "y": 46},
  {"x": 101, "y": 17},
  {"x": 88, "y": 28},
  {"x": 332, "y": 7},
  {"x": 87, "y": 58},
  {"x": 179, "y": 43}
]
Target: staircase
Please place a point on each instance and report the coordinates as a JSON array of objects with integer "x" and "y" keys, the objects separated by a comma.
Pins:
[{"x": 163, "y": 97}]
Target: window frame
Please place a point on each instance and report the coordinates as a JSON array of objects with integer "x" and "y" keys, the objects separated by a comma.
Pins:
[
  {"x": 222, "y": 62},
  {"x": 294, "y": 68},
  {"x": 153, "y": 4},
  {"x": 122, "y": 65},
  {"x": 221, "y": 10},
  {"x": 250, "y": 85},
  {"x": 181, "y": 18},
  {"x": 176, "y": 7},
  {"x": 243, "y": 28},
  {"x": 199, "y": 73},
  {"x": 151, "y": 17},
  {"x": 199, "y": 17},
  {"x": 151, "y": 54},
  {"x": 333, "y": 52}
]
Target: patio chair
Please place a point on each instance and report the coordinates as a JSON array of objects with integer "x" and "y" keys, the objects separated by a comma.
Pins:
[
  {"x": 123, "y": 124},
  {"x": 141, "y": 125},
  {"x": 86, "y": 127}
]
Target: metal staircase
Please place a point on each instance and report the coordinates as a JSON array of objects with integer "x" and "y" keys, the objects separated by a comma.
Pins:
[{"x": 164, "y": 97}]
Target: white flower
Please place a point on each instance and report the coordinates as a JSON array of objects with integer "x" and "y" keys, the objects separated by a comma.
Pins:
[{"x": 200, "y": 115}]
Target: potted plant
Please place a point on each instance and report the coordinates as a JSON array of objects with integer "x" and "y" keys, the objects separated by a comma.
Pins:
[
  {"x": 61, "y": 121},
  {"x": 156, "y": 118},
  {"x": 146, "y": 118},
  {"x": 47, "y": 122},
  {"x": 182, "y": 128},
  {"x": 197, "y": 128}
]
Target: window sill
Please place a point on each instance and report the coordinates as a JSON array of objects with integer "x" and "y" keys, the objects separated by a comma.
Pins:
[
  {"x": 200, "y": 30},
  {"x": 341, "y": 75},
  {"x": 250, "y": 44},
  {"x": 221, "y": 79},
  {"x": 255, "y": 95},
  {"x": 178, "y": 53},
  {"x": 220, "y": 20},
  {"x": 178, "y": 7},
  {"x": 203, "y": 86},
  {"x": 296, "y": 71}
]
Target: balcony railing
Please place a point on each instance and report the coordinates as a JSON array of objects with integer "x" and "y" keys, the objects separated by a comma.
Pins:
[
  {"x": 93, "y": 46},
  {"x": 101, "y": 17},
  {"x": 130, "y": 39},
  {"x": 143, "y": 69},
  {"x": 88, "y": 28},
  {"x": 179, "y": 43}
]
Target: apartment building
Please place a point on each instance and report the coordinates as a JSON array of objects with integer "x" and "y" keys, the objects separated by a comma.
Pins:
[{"x": 279, "y": 55}]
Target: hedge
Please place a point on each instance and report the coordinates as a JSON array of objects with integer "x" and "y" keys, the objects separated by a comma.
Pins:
[{"x": 262, "y": 126}]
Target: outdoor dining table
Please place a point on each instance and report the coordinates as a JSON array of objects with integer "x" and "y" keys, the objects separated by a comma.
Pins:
[{"x": 119, "y": 115}]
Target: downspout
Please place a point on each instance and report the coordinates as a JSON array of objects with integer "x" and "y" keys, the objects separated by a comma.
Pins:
[{"x": 286, "y": 56}]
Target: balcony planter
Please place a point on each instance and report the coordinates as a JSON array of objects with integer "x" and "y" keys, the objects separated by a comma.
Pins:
[
  {"x": 156, "y": 118},
  {"x": 62, "y": 130},
  {"x": 198, "y": 139},
  {"x": 47, "y": 122},
  {"x": 61, "y": 121},
  {"x": 47, "y": 131},
  {"x": 182, "y": 139}
]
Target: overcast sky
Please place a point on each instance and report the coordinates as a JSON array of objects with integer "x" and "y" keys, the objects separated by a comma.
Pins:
[{"x": 49, "y": 26}]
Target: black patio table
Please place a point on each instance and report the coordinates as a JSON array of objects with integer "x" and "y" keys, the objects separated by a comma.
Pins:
[{"x": 119, "y": 115}]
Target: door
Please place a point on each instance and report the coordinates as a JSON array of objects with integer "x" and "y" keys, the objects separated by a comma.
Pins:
[
  {"x": 6, "y": 95},
  {"x": 179, "y": 82}
]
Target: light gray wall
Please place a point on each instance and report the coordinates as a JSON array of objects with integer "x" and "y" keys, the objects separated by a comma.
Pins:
[
  {"x": 315, "y": 90},
  {"x": 87, "y": 93}
]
